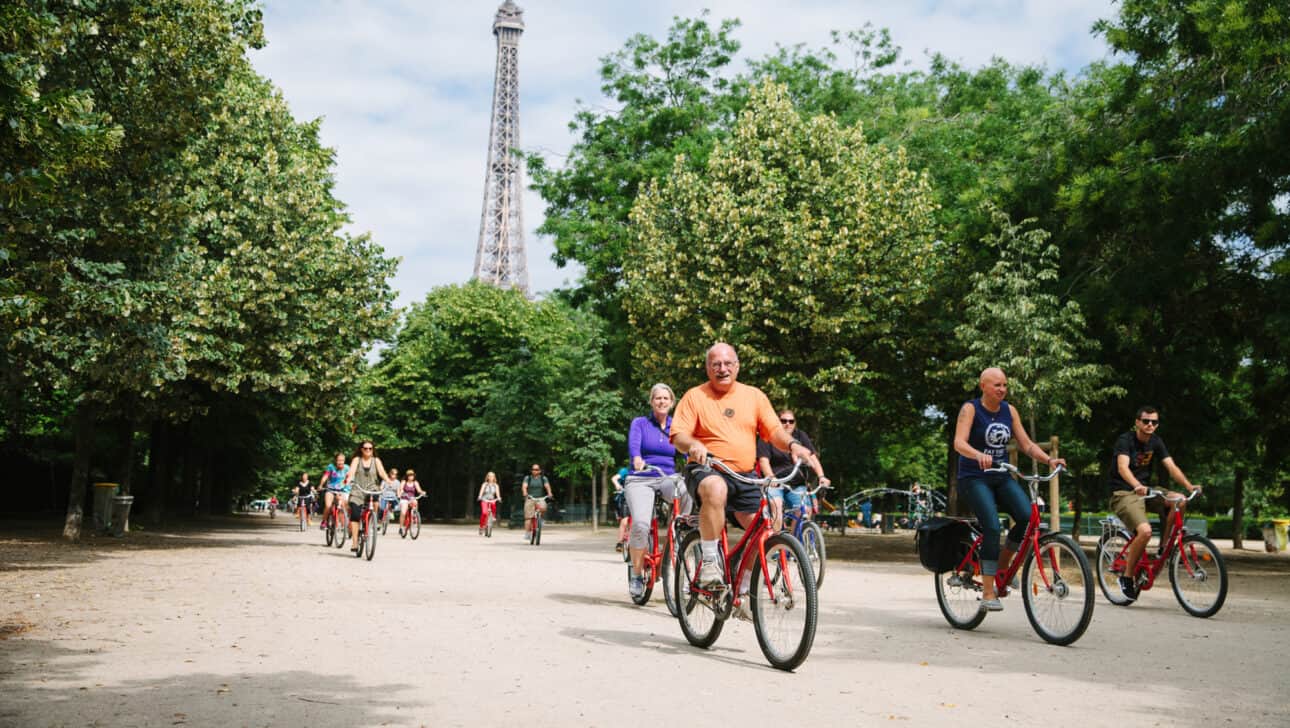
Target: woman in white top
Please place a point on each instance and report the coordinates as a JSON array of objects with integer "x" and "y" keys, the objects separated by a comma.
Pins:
[{"x": 490, "y": 494}]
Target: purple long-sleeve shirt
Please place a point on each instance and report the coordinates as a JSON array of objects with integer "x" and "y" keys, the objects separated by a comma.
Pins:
[{"x": 647, "y": 440}]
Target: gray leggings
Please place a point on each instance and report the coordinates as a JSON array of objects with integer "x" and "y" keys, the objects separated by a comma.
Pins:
[{"x": 639, "y": 492}]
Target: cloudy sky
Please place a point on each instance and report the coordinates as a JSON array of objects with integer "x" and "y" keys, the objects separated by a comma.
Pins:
[{"x": 405, "y": 89}]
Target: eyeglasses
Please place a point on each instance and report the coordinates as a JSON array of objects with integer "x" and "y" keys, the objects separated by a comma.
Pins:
[
  {"x": 1153, "y": 423},
  {"x": 367, "y": 447},
  {"x": 787, "y": 422}
]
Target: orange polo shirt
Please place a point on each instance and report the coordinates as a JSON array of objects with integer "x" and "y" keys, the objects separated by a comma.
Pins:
[{"x": 727, "y": 424}]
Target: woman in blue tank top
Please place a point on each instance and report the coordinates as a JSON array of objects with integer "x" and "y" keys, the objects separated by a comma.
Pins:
[{"x": 981, "y": 435}]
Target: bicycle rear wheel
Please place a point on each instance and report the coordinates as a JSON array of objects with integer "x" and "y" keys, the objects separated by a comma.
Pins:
[
  {"x": 668, "y": 577},
  {"x": 414, "y": 528},
  {"x": 360, "y": 540},
  {"x": 371, "y": 536},
  {"x": 785, "y": 607},
  {"x": 1199, "y": 576},
  {"x": 1110, "y": 565},
  {"x": 813, "y": 542},
  {"x": 1057, "y": 589},
  {"x": 958, "y": 593},
  {"x": 342, "y": 529},
  {"x": 698, "y": 620}
]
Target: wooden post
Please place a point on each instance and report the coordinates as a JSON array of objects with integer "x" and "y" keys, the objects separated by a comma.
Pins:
[
  {"x": 1054, "y": 498},
  {"x": 595, "y": 504}
]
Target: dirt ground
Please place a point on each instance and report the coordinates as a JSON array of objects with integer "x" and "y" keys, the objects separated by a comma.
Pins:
[{"x": 248, "y": 622}]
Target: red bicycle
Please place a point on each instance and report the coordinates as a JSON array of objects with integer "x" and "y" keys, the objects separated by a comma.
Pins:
[
  {"x": 411, "y": 525},
  {"x": 1056, "y": 581},
  {"x": 535, "y": 523},
  {"x": 387, "y": 512},
  {"x": 1196, "y": 567},
  {"x": 303, "y": 504},
  {"x": 659, "y": 563},
  {"x": 365, "y": 541},
  {"x": 489, "y": 515},
  {"x": 782, "y": 597},
  {"x": 335, "y": 524}
]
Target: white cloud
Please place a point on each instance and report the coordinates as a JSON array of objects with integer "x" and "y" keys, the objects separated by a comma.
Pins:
[{"x": 405, "y": 90}]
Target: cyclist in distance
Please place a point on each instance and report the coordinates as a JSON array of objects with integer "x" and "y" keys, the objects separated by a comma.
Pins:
[
  {"x": 408, "y": 496},
  {"x": 649, "y": 443},
  {"x": 366, "y": 473},
  {"x": 773, "y": 461},
  {"x": 390, "y": 488},
  {"x": 981, "y": 435},
  {"x": 1136, "y": 454},
  {"x": 335, "y": 479},
  {"x": 724, "y": 417},
  {"x": 534, "y": 485},
  {"x": 305, "y": 491},
  {"x": 490, "y": 496}
]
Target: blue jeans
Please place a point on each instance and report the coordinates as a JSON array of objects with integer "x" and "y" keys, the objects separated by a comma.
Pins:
[{"x": 985, "y": 496}]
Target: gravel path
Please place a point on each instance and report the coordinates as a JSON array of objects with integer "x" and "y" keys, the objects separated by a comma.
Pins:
[{"x": 247, "y": 622}]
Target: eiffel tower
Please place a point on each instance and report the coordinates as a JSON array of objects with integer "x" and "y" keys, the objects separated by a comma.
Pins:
[{"x": 499, "y": 256}]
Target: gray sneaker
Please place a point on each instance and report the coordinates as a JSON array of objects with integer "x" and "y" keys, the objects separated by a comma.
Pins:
[
  {"x": 991, "y": 605},
  {"x": 637, "y": 586},
  {"x": 710, "y": 575}
]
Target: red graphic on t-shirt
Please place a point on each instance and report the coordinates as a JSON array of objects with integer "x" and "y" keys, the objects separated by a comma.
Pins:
[{"x": 1143, "y": 458}]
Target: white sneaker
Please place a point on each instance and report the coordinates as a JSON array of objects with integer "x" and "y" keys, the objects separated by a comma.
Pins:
[{"x": 710, "y": 575}]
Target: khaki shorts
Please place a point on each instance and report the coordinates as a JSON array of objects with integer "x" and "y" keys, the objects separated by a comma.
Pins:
[
  {"x": 530, "y": 505},
  {"x": 1132, "y": 508}
]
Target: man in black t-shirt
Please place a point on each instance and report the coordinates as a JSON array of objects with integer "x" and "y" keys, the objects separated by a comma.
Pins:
[{"x": 1136, "y": 453}]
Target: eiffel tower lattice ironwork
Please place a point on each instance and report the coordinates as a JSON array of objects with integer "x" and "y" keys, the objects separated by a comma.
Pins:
[{"x": 499, "y": 257}]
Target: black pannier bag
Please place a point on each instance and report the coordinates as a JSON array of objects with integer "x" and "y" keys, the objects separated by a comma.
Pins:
[{"x": 942, "y": 543}]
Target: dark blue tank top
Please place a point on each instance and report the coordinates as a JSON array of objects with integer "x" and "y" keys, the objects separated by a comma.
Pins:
[{"x": 990, "y": 434}]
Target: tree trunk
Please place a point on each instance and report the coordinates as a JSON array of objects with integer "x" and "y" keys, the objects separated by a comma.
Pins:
[
  {"x": 1238, "y": 508},
  {"x": 1079, "y": 506},
  {"x": 162, "y": 462},
  {"x": 83, "y": 429},
  {"x": 126, "y": 467},
  {"x": 192, "y": 462},
  {"x": 951, "y": 478}
]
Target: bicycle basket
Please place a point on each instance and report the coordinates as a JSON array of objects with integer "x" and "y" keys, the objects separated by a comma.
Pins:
[{"x": 942, "y": 543}]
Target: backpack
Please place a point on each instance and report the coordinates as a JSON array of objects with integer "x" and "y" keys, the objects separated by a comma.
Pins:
[{"x": 942, "y": 543}]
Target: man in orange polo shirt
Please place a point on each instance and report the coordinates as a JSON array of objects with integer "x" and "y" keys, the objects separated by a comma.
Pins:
[{"x": 724, "y": 418}]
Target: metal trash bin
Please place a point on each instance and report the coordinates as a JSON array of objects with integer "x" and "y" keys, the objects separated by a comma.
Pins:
[
  {"x": 103, "y": 494},
  {"x": 121, "y": 514}
]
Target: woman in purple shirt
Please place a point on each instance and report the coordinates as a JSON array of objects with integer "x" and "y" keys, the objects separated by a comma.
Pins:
[{"x": 648, "y": 444}]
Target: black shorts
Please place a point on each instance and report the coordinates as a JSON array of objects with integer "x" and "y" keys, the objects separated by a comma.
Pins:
[
  {"x": 740, "y": 497},
  {"x": 620, "y": 506},
  {"x": 355, "y": 511}
]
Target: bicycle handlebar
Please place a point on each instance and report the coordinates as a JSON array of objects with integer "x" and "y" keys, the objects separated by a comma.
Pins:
[
  {"x": 1036, "y": 478},
  {"x": 1157, "y": 493},
  {"x": 763, "y": 483}
]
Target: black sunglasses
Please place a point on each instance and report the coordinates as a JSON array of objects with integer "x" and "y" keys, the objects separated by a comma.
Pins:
[
  {"x": 787, "y": 422},
  {"x": 1149, "y": 422}
]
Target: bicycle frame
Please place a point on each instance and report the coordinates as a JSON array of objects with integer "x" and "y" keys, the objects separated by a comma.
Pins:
[
  {"x": 1153, "y": 565},
  {"x": 1029, "y": 542},
  {"x": 756, "y": 534}
]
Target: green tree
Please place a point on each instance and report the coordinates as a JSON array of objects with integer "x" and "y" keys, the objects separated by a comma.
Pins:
[
  {"x": 799, "y": 242},
  {"x": 1014, "y": 322}
]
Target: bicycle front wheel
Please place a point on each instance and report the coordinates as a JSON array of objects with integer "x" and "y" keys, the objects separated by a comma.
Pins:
[
  {"x": 537, "y": 531},
  {"x": 668, "y": 569},
  {"x": 1110, "y": 565},
  {"x": 1199, "y": 576},
  {"x": 329, "y": 532},
  {"x": 371, "y": 535},
  {"x": 342, "y": 530},
  {"x": 414, "y": 529},
  {"x": 698, "y": 620},
  {"x": 784, "y": 602},
  {"x": 1057, "y": 589},
  {"x": 385, "y": 522},
  {"x": 813, "y": 542}
]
